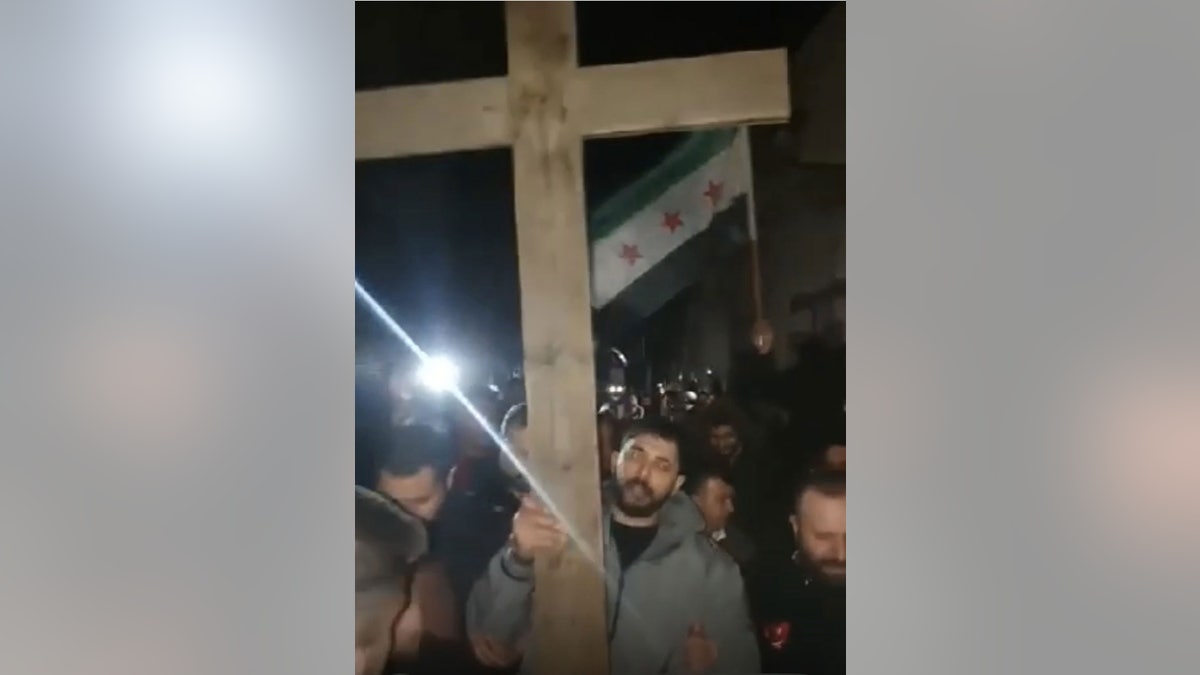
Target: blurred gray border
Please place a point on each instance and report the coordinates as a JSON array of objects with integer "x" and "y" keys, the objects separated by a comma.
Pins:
[
  {"x": 1022, "y": 308},
  {"x": 177, "y": 341}
]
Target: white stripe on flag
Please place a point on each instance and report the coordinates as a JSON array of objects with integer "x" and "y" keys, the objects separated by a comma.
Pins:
[{"x": 686, "y": 209}]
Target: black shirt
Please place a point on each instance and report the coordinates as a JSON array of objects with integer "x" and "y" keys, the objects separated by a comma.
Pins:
[
  {"x": 631, "y": 541},
  {"x": 801, "y": 621}
]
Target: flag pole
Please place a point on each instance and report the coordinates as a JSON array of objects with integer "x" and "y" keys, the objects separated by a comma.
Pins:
[{"x": 752, "y": 226}]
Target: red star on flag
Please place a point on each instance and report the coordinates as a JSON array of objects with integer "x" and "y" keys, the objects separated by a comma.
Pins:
[
  {"x": 630, "y": 254},
  {"x": 672, "y": 221},
  {"x": 714, "y": 192}
]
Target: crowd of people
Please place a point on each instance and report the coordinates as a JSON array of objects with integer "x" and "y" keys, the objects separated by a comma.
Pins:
[{"x": 724, "y": 529}]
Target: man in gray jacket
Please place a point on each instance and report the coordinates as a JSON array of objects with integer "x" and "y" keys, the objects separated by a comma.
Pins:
[{"x": 675, "y": 600}]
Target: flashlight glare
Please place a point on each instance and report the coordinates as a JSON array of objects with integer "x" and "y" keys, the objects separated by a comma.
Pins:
[{"x": 438, "y": 374}]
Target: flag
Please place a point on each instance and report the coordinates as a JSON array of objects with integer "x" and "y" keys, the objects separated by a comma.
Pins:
[{"x": 653, "y": 238}]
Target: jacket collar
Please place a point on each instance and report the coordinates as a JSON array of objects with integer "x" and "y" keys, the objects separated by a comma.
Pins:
[{"x": 678, "y": 520}]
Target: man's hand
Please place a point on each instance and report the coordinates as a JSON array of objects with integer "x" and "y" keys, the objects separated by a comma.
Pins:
[
  {"x": 536, "y": 532},
  {"x": 699, "y": 652},
  {"x": 492, "y": 654}
]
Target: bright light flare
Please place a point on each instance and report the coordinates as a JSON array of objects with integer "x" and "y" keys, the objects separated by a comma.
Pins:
[
  {"x": 438, "y": 374},
  {"x": 592, "y": 556}
]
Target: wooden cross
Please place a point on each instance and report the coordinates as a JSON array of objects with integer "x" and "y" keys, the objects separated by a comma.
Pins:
[{"x": 544, "y": 109}]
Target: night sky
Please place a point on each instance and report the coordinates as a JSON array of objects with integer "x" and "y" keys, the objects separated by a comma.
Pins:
[{"x": 435, "y": 237}]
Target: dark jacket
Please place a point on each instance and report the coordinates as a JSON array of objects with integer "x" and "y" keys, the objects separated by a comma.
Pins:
[
  {"x": 739, "y": 546},
  {"x": 470, "y": 530},
  {"x": 682, "y": 577},
  {"x": 467, "y": 533},
  {"x": 801, "y": 621},
  {"x": 751, "y": 476}
]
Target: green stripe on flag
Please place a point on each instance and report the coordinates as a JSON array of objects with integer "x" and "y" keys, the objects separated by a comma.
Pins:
[{"x": 682, "y": 162}]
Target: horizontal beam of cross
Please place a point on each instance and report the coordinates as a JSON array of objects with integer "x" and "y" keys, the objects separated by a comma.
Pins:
[{"x": 612, "y": 100}]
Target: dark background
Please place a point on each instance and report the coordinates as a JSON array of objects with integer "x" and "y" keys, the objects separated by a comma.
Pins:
[{"x": 435, "y": 237}]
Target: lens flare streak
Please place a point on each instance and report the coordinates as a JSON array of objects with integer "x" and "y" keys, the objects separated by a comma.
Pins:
[{"x": 426, "y": 362}]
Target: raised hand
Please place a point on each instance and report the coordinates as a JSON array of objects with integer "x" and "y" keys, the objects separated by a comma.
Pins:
[
  {"x": 492, "y": 653},
  {"x": 535, "y": 531},
  {"x": 699, "y": 652}
]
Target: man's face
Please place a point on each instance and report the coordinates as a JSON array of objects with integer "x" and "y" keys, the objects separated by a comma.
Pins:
[
  {"x": 647, "y": 471},
  {"x": 715, "y": 501},
  {"x": 819, "y": 525},
  {"x": 421, "y": 494},
  {"x": 723, "y": 439},
  {"x": 835, "y": 457}
]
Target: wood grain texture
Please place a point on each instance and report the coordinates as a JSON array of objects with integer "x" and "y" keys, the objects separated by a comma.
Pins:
[
  {"x": 431, "y": 118},
  {"x": 569, "y": 633},
  {"x": 721, "y": 90}
]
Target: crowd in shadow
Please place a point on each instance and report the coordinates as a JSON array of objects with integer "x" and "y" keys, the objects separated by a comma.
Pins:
[{"x": 724, "y": 523}]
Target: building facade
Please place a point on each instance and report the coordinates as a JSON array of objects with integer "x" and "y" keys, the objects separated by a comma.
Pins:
[{"x": 800, "y": 189}]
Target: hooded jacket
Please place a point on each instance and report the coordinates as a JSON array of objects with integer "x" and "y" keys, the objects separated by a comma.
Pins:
[{"x": 682, "y": 577}]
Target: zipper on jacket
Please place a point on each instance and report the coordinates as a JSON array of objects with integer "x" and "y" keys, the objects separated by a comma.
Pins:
[{"x": 612, "y": 629}]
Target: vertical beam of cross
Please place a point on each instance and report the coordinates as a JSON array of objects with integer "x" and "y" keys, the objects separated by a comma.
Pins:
[{"x": 568, "y": 615}]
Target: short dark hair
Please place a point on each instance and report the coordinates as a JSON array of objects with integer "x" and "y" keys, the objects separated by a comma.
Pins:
[
  {"x": 826, "y": 482},
  {"x": 664, "y": 429},
  {"x": 517, "y": 417},
  {"x": 722, "y": 413},
  {"x": 406, "y": 450},
  {"x": 701, "y": 475},
  {"x": 387, "y": 545}
]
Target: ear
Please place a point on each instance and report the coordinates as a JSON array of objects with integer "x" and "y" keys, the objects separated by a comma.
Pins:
[
  {"x": 612, "y": 462},
  {"x": 795, "y": 523},
  {"x": 678, "y": 483}
]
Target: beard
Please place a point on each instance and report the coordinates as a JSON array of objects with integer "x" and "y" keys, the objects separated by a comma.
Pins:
[
  {"x": 828, "y": 571},
  {"x": 637, "y": 500},
  {"x": 833, "y": 573}
]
